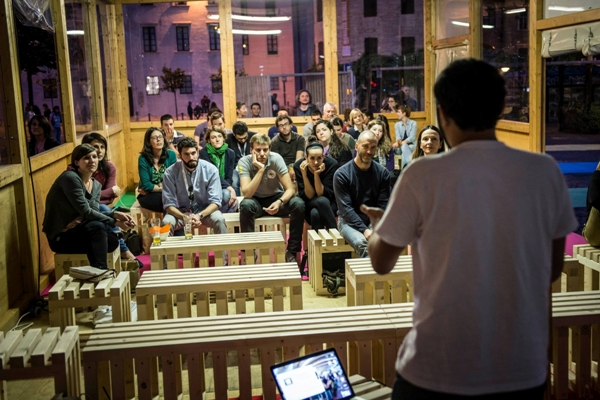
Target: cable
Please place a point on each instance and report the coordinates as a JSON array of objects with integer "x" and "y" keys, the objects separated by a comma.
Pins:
[{"x": 19, "y": 321}]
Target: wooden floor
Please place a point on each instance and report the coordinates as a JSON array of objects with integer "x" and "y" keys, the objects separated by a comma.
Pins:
[{"x": 43, "y": 389}]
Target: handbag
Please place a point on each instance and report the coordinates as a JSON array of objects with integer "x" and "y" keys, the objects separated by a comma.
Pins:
[
  {"x": 91, "y": 274},
  {"x": 591, "y": 229}
]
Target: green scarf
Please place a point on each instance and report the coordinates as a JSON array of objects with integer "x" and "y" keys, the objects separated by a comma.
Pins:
[{"x": 217, "y": 156}]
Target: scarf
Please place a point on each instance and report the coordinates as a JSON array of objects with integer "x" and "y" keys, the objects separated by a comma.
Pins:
[{"x": 217, "y": 156}]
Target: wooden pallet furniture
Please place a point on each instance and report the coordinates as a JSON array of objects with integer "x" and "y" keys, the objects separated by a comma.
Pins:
[
  {"x": 156, "y": 289},
  {"x": 590, "y": 257},
  {"x": 69, "y": 293},
  {"x": 262, "y": 224},
  {"x": 319, "y": 243},
  {"x": 369, "y": 389},
  {"x": 199, "y": 246},
  {"x": 365, "y": 286},
  {"x": 575, "y": 277},
  {"x": 575, "y": 342},
  {"x": 63, "y": 262},
  {"x": 272, "y": 336},
  {"x": 36, "y": 355}
]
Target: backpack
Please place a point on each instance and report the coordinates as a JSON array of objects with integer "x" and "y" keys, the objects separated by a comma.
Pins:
[
  {"x": 334, "y": 271},
  {"x": 133, "y": 241}
]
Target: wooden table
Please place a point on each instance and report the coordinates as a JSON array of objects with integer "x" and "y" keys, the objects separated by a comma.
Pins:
[
  {"x": 157, "y": 288},
  {"x": 365, "y": 286},
  {"x": 262, "y": 242}
]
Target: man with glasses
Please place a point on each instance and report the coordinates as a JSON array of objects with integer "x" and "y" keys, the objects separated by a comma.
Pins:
[
  {"x": 192, "y": 186},
  {"x": 288, "y": 144},
  {"x": 274, "y": 130}
]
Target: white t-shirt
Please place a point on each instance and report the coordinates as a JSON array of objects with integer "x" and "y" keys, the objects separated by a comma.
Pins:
[{"x": 481, "y": 220}]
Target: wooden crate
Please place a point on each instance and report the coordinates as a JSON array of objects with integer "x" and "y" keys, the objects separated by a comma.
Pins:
[
  {"x": 262, "y": 224},
  {"x": 199, "y": 246},
  {"x": 156, "y": 289},
  {"x": 68, "y": 294},
  {"x": 36, "y": 355},
  {"x": 284, "y": 335},
  {"x": 63, "y": 262},
  {"x": 365, "y": 286},
  {"x": 590, "y": 257},
  {"x": 575, "y": 277},
  {"x": 319, "y": 243}
]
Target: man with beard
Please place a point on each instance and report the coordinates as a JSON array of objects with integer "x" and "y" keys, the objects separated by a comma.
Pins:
[
  {"x": 192, "y": 186},
  {"x": 361, "y": 181}
]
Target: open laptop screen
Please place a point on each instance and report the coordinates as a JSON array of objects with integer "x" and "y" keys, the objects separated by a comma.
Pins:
[{"x": 315, "y": 376}]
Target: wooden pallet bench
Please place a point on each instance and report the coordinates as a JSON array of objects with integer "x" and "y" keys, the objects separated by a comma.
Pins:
[
  {"x": 284, "y": 335},
  {"x": 368, "y": 389},
  {"x": 365, "y": 286},
  {"x": 156, "y": 289},
  {"x": 319, "y": 243},
  {"x": 262, "y": 242},
  {"x": 69, "y": 293},
  {"x": 575, "y": 277},
  {"x": 64, "y": 262},
  {"x": 36, "y": 355},
  {"x": 590, "y": 257},
  {"x": 262, "y": 224}
]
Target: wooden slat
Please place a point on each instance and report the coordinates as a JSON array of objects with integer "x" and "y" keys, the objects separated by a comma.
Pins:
[
  {"x": 41, "y": 354},
  {"x": 568, "y": 20},
  {"x": 227, "y": 60},
  {"x": 330, "y": 51},
  {"x": 8, "y": 346},
  {"x": 20, "y": 357}
]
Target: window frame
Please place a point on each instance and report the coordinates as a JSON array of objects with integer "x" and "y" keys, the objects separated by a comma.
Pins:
[
  {"x": 149, "y": 39},
  {"x": 155, "y": 80},
  {"x": 369, "y": 8},
  {"x": 407, "y": 7},
  {"x": 187, "y": 87},
  {"x": 180, "y": 42},
  {"x": 274, "y": 82},
  {"x": 214, "y": 41},
  {"x": 246, "y": 43},
  {"x": 272, "y": 45}
]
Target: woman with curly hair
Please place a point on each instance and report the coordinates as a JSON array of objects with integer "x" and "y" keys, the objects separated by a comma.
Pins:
[
  {"x": 333, "y": 146},
  {"x": 154, "y": 159}
]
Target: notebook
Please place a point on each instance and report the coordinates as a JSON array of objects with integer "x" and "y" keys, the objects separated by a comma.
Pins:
[{"x": 315, "y": 376}]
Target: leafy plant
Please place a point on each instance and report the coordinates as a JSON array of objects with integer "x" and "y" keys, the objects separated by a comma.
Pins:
[{"x": 172, "y": 80}]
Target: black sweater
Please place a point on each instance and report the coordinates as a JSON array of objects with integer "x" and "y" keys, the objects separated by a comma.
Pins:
[
  {"x": 326, "y": 179},
  {"x": 593, "y": 194}
]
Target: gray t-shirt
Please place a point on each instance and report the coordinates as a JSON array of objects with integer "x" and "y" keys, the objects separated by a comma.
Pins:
[{"x": 270, "y": 184}]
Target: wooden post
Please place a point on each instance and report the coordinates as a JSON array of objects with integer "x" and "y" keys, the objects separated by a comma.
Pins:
[
  {"x": 330, "y": 50},
  {"x": 537, "y": 81},
  {"x": 111, "y": 66},
  {"x": 64, "y": 68},
  {"x": 227, "y": 60},
  {"x": 429, "y": 60},
  {"x": 93, "y": 63},
  {"x": 475, "y": 27}
]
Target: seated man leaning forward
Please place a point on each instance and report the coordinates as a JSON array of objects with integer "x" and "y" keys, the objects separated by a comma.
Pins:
[
  {"x": 268, "y": 189},
  {"x": 360, "y": 181},
  {"x": 192, "y": 186}
]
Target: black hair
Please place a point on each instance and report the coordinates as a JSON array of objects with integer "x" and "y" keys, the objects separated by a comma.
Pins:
[
  {"x": 316, "y": 111},
  {"x": 472, "y": 93},
  {"x": 147, "y": 152},
  {"x": 185, "y": 143},
  {"x": 95, "y": 136},
  {"x": 281, "y": 118},
  {"x": 43, "y": 123},
  {"x": 368, "y": 113},
  {"x": 239, "y": 128},
  {"x": 298, "y": 96},
  {"x": 418, "y": 152},
  {"x": 336, "y": 146},
  {"x": 79, "y": 152},
  {"x": 255, "y": 104},
  {"x": 165, "y": 118},
  {"x": 337, "y": 121},
  {"x": 239, "y": 105}
]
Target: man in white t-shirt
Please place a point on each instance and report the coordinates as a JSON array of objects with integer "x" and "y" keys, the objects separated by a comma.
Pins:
[{"x": 487, "y": 226}]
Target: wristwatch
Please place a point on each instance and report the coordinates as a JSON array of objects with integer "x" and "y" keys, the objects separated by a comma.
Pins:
[
  {"x": 281, "y": 200},
  {"x": 200, "y": 216}
]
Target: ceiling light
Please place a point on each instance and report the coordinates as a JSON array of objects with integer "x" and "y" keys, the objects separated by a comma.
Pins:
[
  {"x": 504, "y": 69},
  {"x": 75, "y": 33},
  {"x": 251, "y": 18},
  {"x": 515, "y": 11},
  {"x": 459, "y": 23},
  {"x": 254, "y": 32},
  {"x": 566, "y": 9}
]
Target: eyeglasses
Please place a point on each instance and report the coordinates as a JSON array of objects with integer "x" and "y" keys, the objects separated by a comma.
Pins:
[
  {"x": 191, "y": 192},
  {"x": 283, "y": 125},
  {"x": 156, "y": 137}
]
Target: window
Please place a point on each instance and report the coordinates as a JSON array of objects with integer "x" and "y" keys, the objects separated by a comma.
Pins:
[
  {"x": 407, "y": 7},
  {"x": 213, "y": 37},
  {"x": 179, "y": 3},
  {"x": 244, "y": 7},
  {"x": 321, "y": 51},
  {"x": 370, "y": 45},
  {"x": 245, "y": 45},
  {"x": 490, "y": 18},
  {"x": 152, "y": 87},
  {"x": 370, "y": 8},
  {"x": 270, "y": 10},
  {"x": 274, "y": 83},
  {"x": 187, "y": 85},
  {"x": 217, "y": 85},
  {"x": 319, "y": 10},
  {"x": 271, "y": 44},
  {"x": 149, "y": 34},
  {"x": 408, "y": 45},
  {"x": 183, "y": 38},
  {"x": 522, "y": 21},
  {"x": 50, "y": 88}
]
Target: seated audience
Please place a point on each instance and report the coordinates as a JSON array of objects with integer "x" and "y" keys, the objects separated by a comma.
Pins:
[
  {"x": 218, "y": 153},
  {"x": 200, "y": 131},
  {"x": 40, "y": 133},
  {"x": 591, "y": 229},
  {"x": 273, "y": 131},
  {"x": 385, "y": 152},
  {"x": 73, "y": 223},
  {"x": 357, "y": 122},
  {"x": 392, "y": 102},
  {"x": 406, "y": 134},
  {"x": 154, "y": 159},
  {"x": 315, "y": 115},
  {"x": 329, "y": 111},
  {"x": 338, "y": 128},
  {"x": 172, "y": 136},
  {"x": 304, "y": 104},
  {"x": 367, "y": 115},
  {"x": 361, "y": 181},
  {"x": 268, "y": 190},
  {"x": 241, "y": 110},
  {"x": 332, "y": 144},
  {"x": 192, "y": 186},
  {"x": 255, "y": 109},
  {"x": 238, "y": 141},
  {"x": 287, "y": 144},
  {"x": 429, "y": 142}
]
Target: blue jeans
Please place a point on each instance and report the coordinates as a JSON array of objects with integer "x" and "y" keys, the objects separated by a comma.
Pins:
[
  {"x": 122, "y": 245},
  {"x": 215, "y": 220},
  {"x": 236, "y": 182},
  {"x": 225, "y": 207},
  {"x": 406, "y": 150},
  {"x": 355, "y": 239}
]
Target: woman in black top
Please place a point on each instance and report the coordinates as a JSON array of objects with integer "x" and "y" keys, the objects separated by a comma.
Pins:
[
  {"x": 314, "y": 175},
  {"x": 73, "y": 223},
  {"x": 40, "y": 132},
  {"x": 332, "y": 144}
]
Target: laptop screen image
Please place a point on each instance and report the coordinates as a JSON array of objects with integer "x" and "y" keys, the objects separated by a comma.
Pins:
[{"x": 317, "y": 376}]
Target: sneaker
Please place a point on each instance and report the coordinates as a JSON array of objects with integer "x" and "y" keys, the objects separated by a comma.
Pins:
[{"x": 290, "y": 257}]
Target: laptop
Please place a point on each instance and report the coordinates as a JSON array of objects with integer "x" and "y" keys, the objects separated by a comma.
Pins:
[{"x": 317, "y": 376}]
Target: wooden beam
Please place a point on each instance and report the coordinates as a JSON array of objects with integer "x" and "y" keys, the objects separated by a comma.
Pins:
[
  {"x": 227, "y": 61},
  {"x": 513, "y": 126},
  {"x": 330, "y": 52},
  {"x": 429, "y": 59},
  {"x": 9, "y": 174},
  {"x": 450, "y": 42},
  {"x": 93, "y": 63},
  {"x": 109, "y": 41},
  {"x": 46, "y": 158},
  {"x": 566, "y": 20},
  {"x": 475, "y": 27},
  {"x": 64, "y": 68},
  {"x": 537, "y": 81}
]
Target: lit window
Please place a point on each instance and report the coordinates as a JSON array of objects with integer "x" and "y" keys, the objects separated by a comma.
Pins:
[
  {"x": 152, "y": 87},
  {"x": 245, "y": 45}
]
